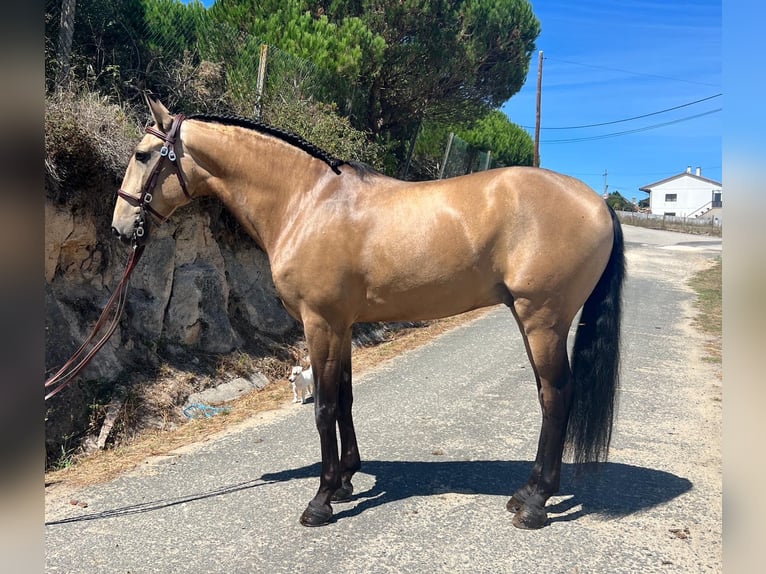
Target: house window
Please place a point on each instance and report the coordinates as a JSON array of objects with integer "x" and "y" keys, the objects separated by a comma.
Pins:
[
  {"x": 671, "y": 197},
  {"x": 670, "y": 213}
]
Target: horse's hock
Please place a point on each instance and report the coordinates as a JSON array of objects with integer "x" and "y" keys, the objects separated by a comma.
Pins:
[{"x": 192, "y": 291}]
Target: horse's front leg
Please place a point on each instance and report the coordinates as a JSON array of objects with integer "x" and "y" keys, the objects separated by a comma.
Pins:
[
  {"x": 325, "y": 350},
  {"x": 350, "y": 461}
]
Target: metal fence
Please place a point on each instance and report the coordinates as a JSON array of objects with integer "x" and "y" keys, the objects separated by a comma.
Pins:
[
  {"x": 460, "y": 158},
  {"x": 713, "y": 225}
]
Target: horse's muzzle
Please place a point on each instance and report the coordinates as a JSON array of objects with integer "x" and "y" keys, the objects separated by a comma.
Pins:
[
  {"x": 130, "y": 239},
  {"x": 135, "y": 235}
]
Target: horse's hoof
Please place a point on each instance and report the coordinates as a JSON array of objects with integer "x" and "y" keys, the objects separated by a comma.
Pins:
[
  {"x": 514, "y": 504},
  {"x": 343, "y": 494},
  {"x": 316, "y": 515},
  {"x": 529, "y": 518}
]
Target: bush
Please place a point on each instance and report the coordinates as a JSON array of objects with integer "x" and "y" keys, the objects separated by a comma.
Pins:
[
  {"x": 88, "y": 142},
  {"x": 319, "y": 124}
]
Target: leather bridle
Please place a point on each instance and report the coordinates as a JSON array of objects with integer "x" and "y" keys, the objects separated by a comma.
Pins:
[
  {"x": 145, "y": 198},
  {"x": 110, "y": 316}
]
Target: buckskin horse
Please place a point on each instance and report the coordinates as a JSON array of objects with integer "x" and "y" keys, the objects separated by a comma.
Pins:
[{"x": 347, "y": 244}]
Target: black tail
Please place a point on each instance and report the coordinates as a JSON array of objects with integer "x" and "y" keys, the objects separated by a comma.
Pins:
[{"x": 596, "y": 361}]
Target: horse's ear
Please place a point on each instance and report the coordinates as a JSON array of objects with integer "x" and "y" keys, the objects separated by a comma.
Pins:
[{"x": 162, "y": 118}]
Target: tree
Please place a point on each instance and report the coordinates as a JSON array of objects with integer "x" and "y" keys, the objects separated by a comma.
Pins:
[
  {"x": 444, "y": 60},
  {"x": 617, "y": 202},
  {"x": 64, "y": 46},
  {"x": 337, "y": 46},
  {"x": 509, "y": 143},
  {"x": 390, "y": 66}
]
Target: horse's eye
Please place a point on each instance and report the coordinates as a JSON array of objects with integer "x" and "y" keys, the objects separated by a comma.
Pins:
[{"x": 143, "y": 156}]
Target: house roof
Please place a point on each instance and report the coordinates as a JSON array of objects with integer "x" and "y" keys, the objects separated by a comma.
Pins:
[{"x": 648, "y": 188}]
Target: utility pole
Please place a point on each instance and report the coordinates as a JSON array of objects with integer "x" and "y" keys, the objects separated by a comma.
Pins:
[
  {"x": 606, "y": 185},
  {"x": 536, "y": 161}
]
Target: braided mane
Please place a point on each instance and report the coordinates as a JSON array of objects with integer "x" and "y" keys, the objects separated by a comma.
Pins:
[{"x": 284, "y": 135}]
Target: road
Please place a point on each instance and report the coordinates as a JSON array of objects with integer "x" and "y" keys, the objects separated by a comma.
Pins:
[{"x": 446, "y": 432}]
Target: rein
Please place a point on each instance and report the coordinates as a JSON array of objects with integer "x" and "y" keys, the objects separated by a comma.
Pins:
[
  {"x": 66, "y": 374},
  {"x": 116, "y": 304}
]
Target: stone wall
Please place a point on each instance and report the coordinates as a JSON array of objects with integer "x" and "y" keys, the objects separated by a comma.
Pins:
[{"x": 193, "y": 293}]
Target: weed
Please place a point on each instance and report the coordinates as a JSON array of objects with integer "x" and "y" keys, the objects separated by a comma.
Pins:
[{"x": 708, "y": 286}]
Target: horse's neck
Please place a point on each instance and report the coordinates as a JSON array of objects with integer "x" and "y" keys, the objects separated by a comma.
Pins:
[{"x": 255, "y": 176}]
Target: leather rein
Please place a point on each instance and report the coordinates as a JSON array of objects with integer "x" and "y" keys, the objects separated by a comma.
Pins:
[{"x": 114, "y": 308}]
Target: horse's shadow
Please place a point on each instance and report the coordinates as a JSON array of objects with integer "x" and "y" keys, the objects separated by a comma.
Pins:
[
  {"x": 610, "y": 489},
  {"x": 614, "y": 490}
]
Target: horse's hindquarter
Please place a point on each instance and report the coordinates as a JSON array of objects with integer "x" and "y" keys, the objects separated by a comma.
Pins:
[
  {"x": 562, "y": 242},
  {"x": 399, "y": 250}
]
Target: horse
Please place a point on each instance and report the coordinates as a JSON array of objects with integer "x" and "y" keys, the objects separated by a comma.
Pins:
[{"x": 347, "y": 244}]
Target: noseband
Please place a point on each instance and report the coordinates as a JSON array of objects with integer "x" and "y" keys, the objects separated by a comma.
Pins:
[{"x": 145, "y": 199}]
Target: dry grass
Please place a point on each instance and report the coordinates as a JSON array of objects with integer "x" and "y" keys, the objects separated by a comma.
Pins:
[
  {"x": 88, "y": 141},
  {"x": 708, "y": 286},
  {"x": 105, "y": 465}
]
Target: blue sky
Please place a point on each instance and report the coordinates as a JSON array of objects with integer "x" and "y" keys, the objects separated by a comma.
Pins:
[{"x": 607, "y": 61}]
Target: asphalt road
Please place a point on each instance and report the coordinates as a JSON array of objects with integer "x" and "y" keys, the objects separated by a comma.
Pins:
[{"x": 446, "y": 432}]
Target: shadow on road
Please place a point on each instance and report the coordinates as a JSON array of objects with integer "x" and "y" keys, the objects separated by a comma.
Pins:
[{"x": 613, "y": 490}]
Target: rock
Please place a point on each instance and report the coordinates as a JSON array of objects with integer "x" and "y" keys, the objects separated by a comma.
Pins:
[
  {"x": 191, "y": 292},
  {"x": 229, "y": 391},
  {"x": 253, "y": 299}
]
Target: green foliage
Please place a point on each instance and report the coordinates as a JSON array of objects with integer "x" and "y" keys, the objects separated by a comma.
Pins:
[
  {"x": 619, "y": 203},
  {"x": 320, "y": 124},
  {"x": 389, "y": 66},
  {"x": 106, "y": 48},
  {"x": 500, "y": 38},
  {"x": 509, "y": 143},
  {"x": 445, "y": 60},
  {"x": 337, "y": 47}
]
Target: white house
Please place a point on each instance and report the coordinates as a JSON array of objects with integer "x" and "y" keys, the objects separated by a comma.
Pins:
[{"x": 685, "y": 195}]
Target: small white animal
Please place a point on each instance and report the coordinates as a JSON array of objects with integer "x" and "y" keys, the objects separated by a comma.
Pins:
[{"x": 303, "y": 383}]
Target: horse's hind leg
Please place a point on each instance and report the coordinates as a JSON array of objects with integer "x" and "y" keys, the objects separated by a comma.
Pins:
[
  {"x": 349, "y": 451},
  {"x": 546, "y": 347}
]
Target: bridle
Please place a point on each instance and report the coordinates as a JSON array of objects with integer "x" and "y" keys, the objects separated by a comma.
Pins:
[
  {"x": 110, "y": 316},
  {"x": 145, "y": 198}
]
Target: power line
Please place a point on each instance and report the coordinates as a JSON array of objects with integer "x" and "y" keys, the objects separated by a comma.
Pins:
[
  {"x": 633, "y": 118},
  {"x": 631, "y": 72},
  {"x": 626, "y": 132}
]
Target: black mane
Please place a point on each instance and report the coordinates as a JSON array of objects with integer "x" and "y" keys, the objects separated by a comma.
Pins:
[{"x": 284, "y": 135}]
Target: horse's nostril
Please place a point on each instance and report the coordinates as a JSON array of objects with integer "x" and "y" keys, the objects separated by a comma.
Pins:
[{"x": 116, "y": 233}]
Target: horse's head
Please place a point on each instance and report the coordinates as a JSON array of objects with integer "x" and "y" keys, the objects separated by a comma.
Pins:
[{"x": 154, "y": 185}]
